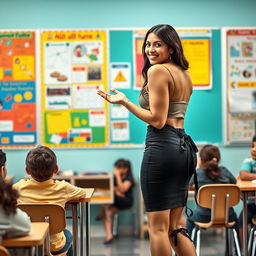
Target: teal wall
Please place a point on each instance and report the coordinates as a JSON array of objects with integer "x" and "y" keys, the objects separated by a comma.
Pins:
[{"x": 16, "y": 14}]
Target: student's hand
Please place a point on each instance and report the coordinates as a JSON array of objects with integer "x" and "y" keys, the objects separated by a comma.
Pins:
[
  {"x": 116, "y": 98},
  {"x": 116, "y": 172},
  {"x": 118, "y": 193}
]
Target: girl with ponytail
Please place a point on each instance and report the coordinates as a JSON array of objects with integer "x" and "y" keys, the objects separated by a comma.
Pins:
[{"x": 210, "y": 172}]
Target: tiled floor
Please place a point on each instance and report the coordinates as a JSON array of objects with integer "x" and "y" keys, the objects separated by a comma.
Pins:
[{"x": 211, "y": 245}]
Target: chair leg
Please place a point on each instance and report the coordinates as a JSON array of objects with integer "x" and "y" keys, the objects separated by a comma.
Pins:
[
  {"x": 198, "y": 242},
  {"x": 238, "y": 250},
  {"x": 254, "y": 243},
  {"x": 251, "y": 239},
  {"x": 115, "y": 225}
]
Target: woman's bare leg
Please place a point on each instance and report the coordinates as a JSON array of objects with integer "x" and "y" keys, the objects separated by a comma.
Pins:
[
  {"x": 158, "y": 233},
  {"x": 184, "y": 246}
]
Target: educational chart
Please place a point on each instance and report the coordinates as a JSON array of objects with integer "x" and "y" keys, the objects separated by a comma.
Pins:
[
  {"x": 240, "y": 84},
  {"x": 74, "y": 66},
  {"x": 17, "y": 89},
  {"x": 197, "y": 49}
]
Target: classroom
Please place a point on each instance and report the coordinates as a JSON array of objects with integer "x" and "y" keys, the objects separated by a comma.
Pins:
[{"x": 108, "y": 34}]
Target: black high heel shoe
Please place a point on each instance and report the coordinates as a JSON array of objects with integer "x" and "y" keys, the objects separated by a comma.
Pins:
[{"x": 109, "y": 241}]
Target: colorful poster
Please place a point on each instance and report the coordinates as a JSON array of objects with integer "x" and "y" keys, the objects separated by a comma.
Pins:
[
  {"x": 242, "y": 130},
  {"x": 241, "y": 70},
  {"x": 74, "y": 67},
  {"x": 17, "y": 88},
  {"x": 239, "y": 77},
  {"x": 197, "y": 49},
  {"x": 138, "y": 37},
  {"x": 120, "y": 130},
  {"x": 120, "y": 75}
]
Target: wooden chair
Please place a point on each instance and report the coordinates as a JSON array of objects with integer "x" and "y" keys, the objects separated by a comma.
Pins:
[
  {"x": 52, "y": 213},
  {"x": 4, "y": 251},
  {"x": 219, "y": 198}
]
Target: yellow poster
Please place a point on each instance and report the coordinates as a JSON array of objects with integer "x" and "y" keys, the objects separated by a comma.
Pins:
[
  {"x": 197, "y": 52},
  {"x": 74, "y": 66}
]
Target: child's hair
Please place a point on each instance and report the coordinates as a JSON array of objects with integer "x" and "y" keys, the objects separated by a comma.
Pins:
[
  {"x": 8, "y": 197},
  {"x": 253, "y": 140},
  {"x": 210, "y": 157},
  {"x": 123, "y": 163},
  {"x": 41, "y": 162},
  {"x": 2, "y": 158}
]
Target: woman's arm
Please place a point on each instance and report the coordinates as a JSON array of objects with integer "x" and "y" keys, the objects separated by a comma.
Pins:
[{"x": 158, "y": 98}]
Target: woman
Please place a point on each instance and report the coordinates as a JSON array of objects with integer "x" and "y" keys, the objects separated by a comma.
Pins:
[
  {"x": 170, "y": 154},
  {"x": 123, "y": 196}
]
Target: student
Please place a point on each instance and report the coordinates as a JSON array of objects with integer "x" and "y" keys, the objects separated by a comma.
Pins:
[
  {"x": 169, "y": 158},
  {"x": 248, "y": 173},
  {"x": 210, "y": 172},
  {"x": 123, "y": 196},
  {"x": 13, "y": 221},
  {"x": 41, "y": 164}
]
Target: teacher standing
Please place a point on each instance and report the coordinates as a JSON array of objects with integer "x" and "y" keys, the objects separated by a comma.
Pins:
[{"x": 170, "y": 154}]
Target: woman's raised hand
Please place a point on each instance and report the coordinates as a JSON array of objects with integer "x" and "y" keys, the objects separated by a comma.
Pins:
[{"x": 116, "y": 98}]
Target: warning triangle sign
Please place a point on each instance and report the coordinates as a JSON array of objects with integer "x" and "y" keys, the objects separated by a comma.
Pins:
[{"x": 120, "y": 77}]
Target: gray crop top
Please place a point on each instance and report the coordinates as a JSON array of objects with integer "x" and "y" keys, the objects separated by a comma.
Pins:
[{"x": 177, "y": 109}]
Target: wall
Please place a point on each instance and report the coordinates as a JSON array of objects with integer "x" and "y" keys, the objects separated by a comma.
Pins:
[{"x": 17, "y": 14}]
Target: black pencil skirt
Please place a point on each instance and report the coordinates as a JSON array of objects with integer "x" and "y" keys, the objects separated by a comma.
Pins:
[{"x": 168, "y": 163}]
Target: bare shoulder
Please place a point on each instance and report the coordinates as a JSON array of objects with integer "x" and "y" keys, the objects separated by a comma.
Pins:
[{"x": 155, "y": 69}]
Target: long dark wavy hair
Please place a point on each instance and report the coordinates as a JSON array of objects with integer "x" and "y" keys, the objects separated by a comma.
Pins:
[
  {"x": 8, "y": 195},
  {"x": 170, "y": 37},
  {"x": 210, "y": 157}
]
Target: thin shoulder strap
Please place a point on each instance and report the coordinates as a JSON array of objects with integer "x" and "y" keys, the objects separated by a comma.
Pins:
[{"x": 170, "y": 74}]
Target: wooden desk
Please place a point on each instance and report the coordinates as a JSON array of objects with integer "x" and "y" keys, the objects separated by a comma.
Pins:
[
  {"x": 84, "y": 206},
  {"x": 102, "y": 184},
  {"x": 36, "y": 237},
  {"x": 246, "y": 187}
]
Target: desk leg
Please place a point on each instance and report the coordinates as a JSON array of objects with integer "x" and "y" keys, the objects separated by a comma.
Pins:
[
  {"x": 88, "y": 229},
  {"x": 245, "y": 224},
  {"x": 82, "y": 210},
  {"x": 74, "y": 227}
]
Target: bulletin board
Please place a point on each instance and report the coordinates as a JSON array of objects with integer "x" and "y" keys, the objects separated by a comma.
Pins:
[
  {"x": 203, "y": 119},
  {"x": 18, "y": 88},
  {"x": 239, "y": 84},
  {"x": 73, "y": 67},
  {"x": 73, "y": 64}
]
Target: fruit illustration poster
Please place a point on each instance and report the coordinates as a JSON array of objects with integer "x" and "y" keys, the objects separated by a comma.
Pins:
[
  {"x": 17, "y": 88},
  {"x": 74, "y": 66}
]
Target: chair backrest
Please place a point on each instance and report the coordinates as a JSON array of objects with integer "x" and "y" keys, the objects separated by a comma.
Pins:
[
  {"x": 3, "y": 251},
  {"x": 219, "y": 198},
  {"x": 52, "y": 213}
]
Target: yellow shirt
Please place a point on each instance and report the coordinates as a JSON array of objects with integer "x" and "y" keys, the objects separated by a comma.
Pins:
[{"x": 49, "y": 191}]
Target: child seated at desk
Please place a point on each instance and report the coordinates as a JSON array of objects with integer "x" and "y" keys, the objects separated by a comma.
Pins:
[
  {"x": 210, "y": 172},
  {"x": 13, "y": 221},
  {"x": 41, "y": 164},
  {"x": 123, "y": 196},
  {"x": 248, "y": 173}
]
